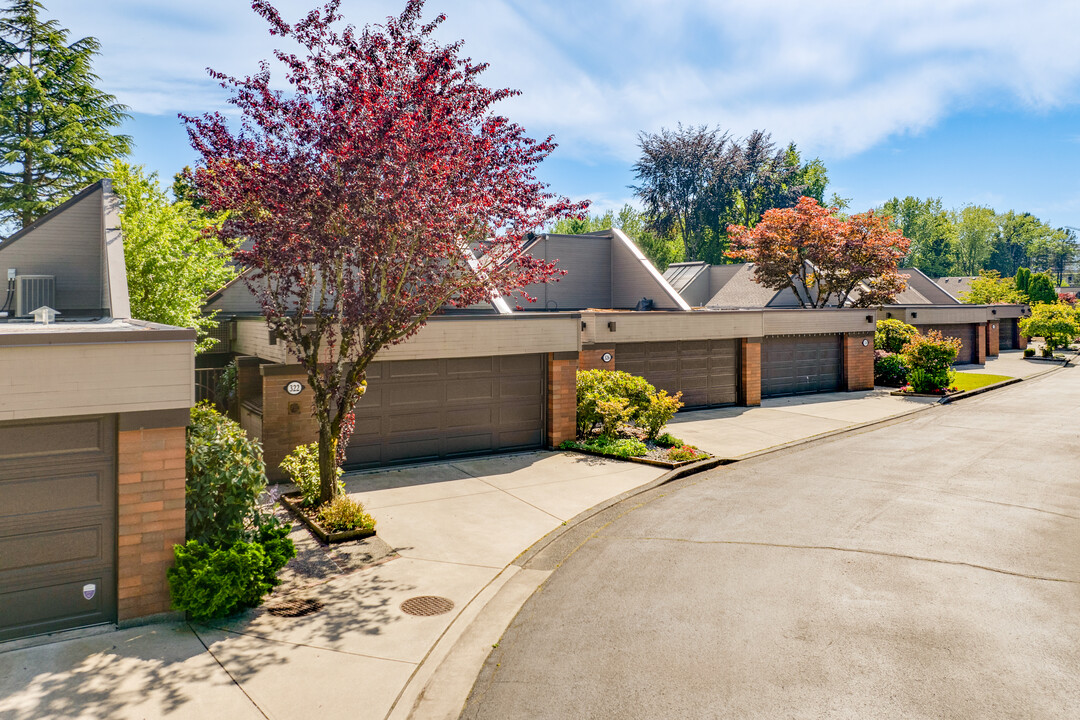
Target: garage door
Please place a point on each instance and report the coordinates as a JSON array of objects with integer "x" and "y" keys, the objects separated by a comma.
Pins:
[
  {"x": 800, "y": 364},
  {"x": 431, "y": 409},
  {"x": 1007, "y": 333},
  {"x": 57, "y": 526},
  {"x": 966, "y": 335},
  {"x": 705, "y": 371}
]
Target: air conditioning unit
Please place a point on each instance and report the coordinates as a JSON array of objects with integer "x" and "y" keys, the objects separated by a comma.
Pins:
[{"x": 33, "y": 291}]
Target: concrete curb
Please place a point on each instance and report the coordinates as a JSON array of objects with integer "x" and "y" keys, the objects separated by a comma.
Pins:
[{"x": 948, "y": 399}]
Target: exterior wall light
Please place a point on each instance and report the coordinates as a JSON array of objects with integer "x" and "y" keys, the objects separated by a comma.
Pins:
[
  {"x": 914, "y": 315},
  {"x": 611, "y": 326},
  {"x": 869, "y": 318}
]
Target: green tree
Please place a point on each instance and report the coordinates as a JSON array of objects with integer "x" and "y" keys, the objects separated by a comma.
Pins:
[
  {"x": 55, "y": 126},
  {"x": 1042, "y": 289},
  {"x": 930, "y": 230},
  {"x": 990, "y": 288},
  {"x": 1022, "y": 281},
  {"x": 1056, "y": 323},
  {"x": 976, "y": 228},
  {"x": 174, "y": 260}
]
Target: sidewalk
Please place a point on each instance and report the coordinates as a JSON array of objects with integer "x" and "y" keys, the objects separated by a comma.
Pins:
[{"x": 450, "y": 530}]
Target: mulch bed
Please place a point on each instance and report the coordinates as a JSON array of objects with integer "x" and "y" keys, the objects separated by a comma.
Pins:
[{"x": 307, "y": 517}]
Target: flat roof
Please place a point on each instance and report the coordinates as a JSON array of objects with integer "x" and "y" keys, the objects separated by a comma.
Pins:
[{"x": 71, "y": 332}]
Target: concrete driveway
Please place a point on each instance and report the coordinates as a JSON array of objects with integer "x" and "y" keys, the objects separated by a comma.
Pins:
[{"x": 924, "y": 569}]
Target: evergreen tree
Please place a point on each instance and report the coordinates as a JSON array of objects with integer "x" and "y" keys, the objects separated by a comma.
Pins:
[{"x": 55, "y": 126}]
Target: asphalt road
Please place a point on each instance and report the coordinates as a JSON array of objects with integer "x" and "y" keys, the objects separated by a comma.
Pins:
[{"x": 925, "y": 569}]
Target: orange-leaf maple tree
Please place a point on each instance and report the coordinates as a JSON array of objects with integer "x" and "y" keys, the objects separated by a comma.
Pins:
[
  {"x": 824, "y": 259},
  {"x": 380, "y": 188}
]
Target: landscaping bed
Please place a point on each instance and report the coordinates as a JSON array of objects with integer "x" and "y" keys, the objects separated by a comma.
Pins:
[
  {"x": 666, "y": 451},
  {"x": 294, "y": 502},
  {"x": 962, "y": 384}
]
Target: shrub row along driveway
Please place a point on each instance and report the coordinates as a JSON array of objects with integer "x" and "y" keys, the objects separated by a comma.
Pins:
[{"x": 928, "y": 568}]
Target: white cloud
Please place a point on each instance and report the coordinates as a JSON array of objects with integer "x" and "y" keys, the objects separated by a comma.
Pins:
[{"x": 836, "y": 77}]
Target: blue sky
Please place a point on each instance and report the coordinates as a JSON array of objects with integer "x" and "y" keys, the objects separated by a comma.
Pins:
[{"x": 975, "y": 101}]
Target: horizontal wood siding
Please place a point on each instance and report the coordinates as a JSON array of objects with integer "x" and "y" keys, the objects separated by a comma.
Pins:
[
  {"x": 665, "y": 326},
  {"x": 632, "y": 280},
  {"x": 58, "y": 380},
  {"x": 810, "y": 322},
  {"x": 587, "y": 282}
]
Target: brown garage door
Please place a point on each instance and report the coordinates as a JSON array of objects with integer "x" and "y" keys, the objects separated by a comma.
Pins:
[
  {"x": 705, "y": 371},
  {"x": 431, "y": 409},
  {"x": 966, "y": 335},
  {"x": 800, "y": 364},
  {"x": 1007, "y": 334},
  {"x": 57, "y": 526}
]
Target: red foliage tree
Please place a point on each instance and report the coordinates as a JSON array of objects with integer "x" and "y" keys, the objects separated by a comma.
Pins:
[
  {"x": 822, "y": 258},
  {"x": 375, "y": 192}
]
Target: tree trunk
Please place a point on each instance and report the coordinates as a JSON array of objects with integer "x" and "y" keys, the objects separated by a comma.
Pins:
[{"x": 327, "y": 465}]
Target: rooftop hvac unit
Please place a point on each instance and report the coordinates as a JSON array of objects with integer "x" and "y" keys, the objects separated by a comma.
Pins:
[{"x": 33, "y": 291}]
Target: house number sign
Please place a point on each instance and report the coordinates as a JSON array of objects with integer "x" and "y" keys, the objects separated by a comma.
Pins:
[
  {"x": 606, "y": 357},
  {"x": 295, "y": 387}
]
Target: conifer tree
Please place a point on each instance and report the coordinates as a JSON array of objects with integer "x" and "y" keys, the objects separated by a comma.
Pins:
[{"x": 55, "y": 125}]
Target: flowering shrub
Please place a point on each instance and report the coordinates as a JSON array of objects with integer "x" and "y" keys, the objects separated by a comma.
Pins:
[
  {"x": 929, "y": 358},
  {"x": 661, "y": 408},
  {"x": 889, "y": 369},
  {"x": 343, "y": 513},
  {"x": 685, "y": 453},
  {"x": 612, "y": 399}
]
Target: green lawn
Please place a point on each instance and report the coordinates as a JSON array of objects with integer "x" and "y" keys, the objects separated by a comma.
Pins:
[{"x": 970, "y": 381}]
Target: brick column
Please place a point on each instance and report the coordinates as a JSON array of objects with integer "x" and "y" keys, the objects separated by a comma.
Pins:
[
  {"x": 287, "y": 420},
  {"x": 750, "y": 371},
  {"x": 562, "y": 370},
  {"x": 980, "y": 344},
  {"x": 858, "y": 361},
  {"x": 1021, "y": 341},
  {"x": 993, "y": 338},
  {"x": 593, "y": 358},
  {"x": 151, "y": 519}
]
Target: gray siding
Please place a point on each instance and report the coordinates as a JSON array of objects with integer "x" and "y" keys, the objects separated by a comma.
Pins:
[
  {"x": 70, "y": 246},
  {"x": 634, "y": 277},
  {"x": 587, "y": 282},
  {"x": 235, "y": 298}
]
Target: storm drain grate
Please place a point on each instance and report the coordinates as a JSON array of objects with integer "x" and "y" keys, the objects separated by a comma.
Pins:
[
  {"x": 297, "y": 607},
  {"x": 427, "y": 605}
]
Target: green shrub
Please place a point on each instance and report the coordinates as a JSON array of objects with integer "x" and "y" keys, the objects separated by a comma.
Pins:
[
  {"x": 892, "y": 335},
  {"x": 889, "y": 369},
  {"x": 614, "y": 415},
  {"x": 685, "y": 453},
  {"x": 930, "y": 359},
  {"x": 302, "y": 465},
  {"x": 343, "y": 513},
  {"x": 595, "y": 386},
  {"x": 625, "y": 448},
  {"x": 621, "y": 448},
  {"x": 227, "y": 385},
  {"x": 1047, "y": 351},
  {"x": 1056, "y": 323},
  {"x": 1022, "y": 280},
  {"x": 210, "y": 582},
  {"x": 1029, "y": 352},
  {"x": 225, "y": 477},
  {"x": 659, "y": 411},
  {"x": 668, "y": 440}
]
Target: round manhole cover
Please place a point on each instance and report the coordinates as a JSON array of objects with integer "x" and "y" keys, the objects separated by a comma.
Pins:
[
  {"x": 426, "y": 605},
  {"x": 297, "y": 607}
]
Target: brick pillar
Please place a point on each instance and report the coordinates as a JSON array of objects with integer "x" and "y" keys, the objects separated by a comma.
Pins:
[
  {"x": 150, "y": 468},
  {"x": 750, "y": 371},
  {"x": 287, "y": 420},
  {"x": 980, "y": 344},
  {"x": 593, "y": 358},
  {"x": 561, "y": 397},
  {"x": 993, "y": 338},
  {"x": 858, "y": 361},
  {"x": 1021, "y": 341}
]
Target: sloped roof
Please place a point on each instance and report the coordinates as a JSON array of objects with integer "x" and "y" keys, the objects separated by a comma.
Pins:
[
  {"x": 742, "y": 291},
  {"x": 680, "y": 275},
  {"x": 955, "y": 285}
]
